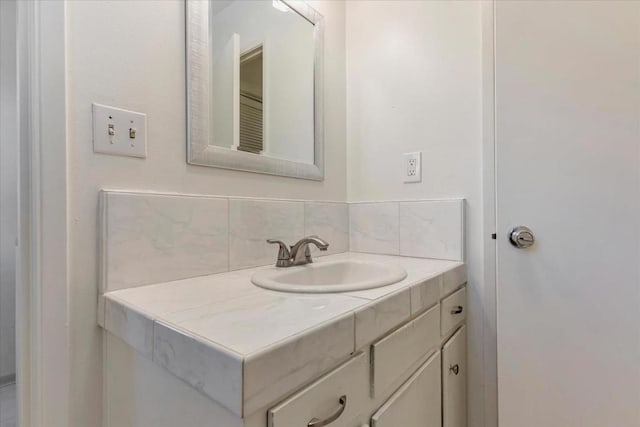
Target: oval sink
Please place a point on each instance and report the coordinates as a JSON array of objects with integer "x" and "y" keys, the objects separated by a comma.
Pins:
[{"x": 326, "y": 277}]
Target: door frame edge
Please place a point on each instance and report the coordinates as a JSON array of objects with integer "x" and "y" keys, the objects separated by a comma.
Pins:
[
  {"x": 42, "y": 291},
  {"x": 489, "y": 198}
]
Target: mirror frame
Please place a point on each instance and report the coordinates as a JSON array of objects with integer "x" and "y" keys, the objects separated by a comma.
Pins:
[{"x": 198, "y": 65}]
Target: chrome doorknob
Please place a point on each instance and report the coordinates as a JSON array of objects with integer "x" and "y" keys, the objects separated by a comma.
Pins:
[{"x": 522, "y": 237}]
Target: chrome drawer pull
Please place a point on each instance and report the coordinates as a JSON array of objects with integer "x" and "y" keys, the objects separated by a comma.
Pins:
[
  {"x": 319, "y": 423},
  {"x": 457, "y": 309},
  {"x": 455, "y": 369}
]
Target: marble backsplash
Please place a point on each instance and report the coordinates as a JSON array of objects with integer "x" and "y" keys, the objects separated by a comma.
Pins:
[
  {"x": 150, "y": 238},
  {"x": 421, "y": 228}
]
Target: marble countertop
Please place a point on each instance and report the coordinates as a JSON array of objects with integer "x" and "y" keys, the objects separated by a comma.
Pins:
[{"x": 245, "y": 347}]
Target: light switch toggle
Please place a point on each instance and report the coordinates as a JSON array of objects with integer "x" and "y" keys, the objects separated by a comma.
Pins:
[{"x": 120, "y": 132}]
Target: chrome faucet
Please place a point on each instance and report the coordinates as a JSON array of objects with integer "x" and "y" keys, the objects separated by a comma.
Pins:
[{"x": 298, "y": 254}]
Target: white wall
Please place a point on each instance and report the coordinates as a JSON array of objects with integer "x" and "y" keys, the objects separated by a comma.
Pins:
[
  {"x": 131, "y": 55},
  {"x": 414, "y": 83},
  {"x": 8, "y": 192}
]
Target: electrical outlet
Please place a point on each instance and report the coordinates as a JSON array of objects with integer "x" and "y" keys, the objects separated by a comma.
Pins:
[
  {"x": 118, "y": 131},
  {"x": 413, "y": 167}
]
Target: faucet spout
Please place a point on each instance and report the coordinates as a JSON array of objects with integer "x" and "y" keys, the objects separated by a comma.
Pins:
[{"x": 300, "y": 253}]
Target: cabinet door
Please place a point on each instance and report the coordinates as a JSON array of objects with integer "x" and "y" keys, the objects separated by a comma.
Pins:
[
  {"x": 337, "y": 397},
  {"x": 395, "y": 354},
  {"x": 417, "y": 403},
  {"x": 454, "y": 380}
]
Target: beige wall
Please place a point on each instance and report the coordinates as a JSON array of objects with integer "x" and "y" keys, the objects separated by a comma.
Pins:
[
  {"x": 414, "y": 79},
  {"x": 130, "y": 54}
]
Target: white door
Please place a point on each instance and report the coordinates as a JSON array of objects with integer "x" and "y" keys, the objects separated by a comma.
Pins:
[{"x": 568, "y": 167}]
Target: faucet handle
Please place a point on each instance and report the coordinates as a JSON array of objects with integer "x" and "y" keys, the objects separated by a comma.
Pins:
[{"x": 284, "y": 254}]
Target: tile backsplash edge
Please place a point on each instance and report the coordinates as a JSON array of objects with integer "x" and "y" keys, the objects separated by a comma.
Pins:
[
  {"x": 102, "y": 249},
  {"x": 212, "y": 196}
]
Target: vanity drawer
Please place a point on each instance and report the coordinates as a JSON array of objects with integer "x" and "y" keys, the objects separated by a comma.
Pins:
[
  {"x": 394, "y": 354},
  {"x": 417, "y": 403},
  {"x": 342, "y": 393},
  {"x": 454, "y": 310}
]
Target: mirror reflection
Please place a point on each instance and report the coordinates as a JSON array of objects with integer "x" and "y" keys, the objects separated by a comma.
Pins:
[
  {"x": 251, "y": 110},
  {"x": 262, "y": 79}
]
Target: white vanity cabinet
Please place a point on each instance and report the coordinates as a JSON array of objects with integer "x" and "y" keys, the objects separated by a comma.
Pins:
[
  {"x": 410, "y": 371},
  {"x": 415, "y": 377}
]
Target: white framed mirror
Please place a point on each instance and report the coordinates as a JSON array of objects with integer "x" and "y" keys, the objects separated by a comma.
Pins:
[{"x": 255, "y": 86}]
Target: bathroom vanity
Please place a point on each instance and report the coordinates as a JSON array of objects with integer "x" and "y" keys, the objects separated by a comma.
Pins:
[
  {"x": 219, "y": 351},
  {"x": 381, "y": 339}
]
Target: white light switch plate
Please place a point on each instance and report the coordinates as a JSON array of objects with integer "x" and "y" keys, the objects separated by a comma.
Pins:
[
  {"x": 120, "y": 132},
  {"x": 412, "y": 167}
]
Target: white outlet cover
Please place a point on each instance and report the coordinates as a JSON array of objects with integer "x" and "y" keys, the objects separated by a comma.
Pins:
[
  {"x": 412, "y": 167},
  {"x": 122, "y": 122}
]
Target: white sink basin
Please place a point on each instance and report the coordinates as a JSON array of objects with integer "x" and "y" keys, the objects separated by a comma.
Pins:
[{"x": 326, "y": 277}]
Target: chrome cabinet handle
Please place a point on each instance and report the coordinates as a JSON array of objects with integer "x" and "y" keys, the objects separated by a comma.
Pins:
[
  {"x": 457, "y": 309},
  {"x": 315, "y": 422},
  {"x": 455, "y": 369}
]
